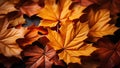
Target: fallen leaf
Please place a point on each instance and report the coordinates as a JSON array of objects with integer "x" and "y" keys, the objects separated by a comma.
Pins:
[
  {"x": 40, "y": 58},
  {"x": 112, "y": 5},
  {"x": 70, "y": 41},
  {"x": 99, "y": 24},
  {"x": 7, "y": 7},
  {"x": 31, "y": 36},
  {"x": 58, "y": 12},
  {"x": 30, "y": 10},
  {"x": 108, "y": 52},
  {"x": 8, "y": 45}
]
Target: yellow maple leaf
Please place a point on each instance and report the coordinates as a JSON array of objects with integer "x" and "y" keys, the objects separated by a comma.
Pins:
[
  {"x": 54, "y": 12},
  {"x": 70, "y": 41},
  {"x": 8, "y": 45},
  {"x": 99, "y": 24}
]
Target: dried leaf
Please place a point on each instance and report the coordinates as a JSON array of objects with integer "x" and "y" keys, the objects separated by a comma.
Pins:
[
  {"x": 8, "y": 45},
  {"x": 7, "y": 7},
  {"x": 70, "y": 41},
  {"x": 99, "y": 24},
  {"x": 30, "y": 9},
  {"x": 112, "y": 5},
  {"x": 108, "y": 52},
  {"x": 31, "y": 36},
  {"x": 58, "y": 12},
  {"x": 40, "y": 58}
]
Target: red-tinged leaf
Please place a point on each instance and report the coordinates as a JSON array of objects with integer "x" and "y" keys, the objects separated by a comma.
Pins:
[
  {"x": 108, "y": 52},
  {"x": 40, "y": 58},
  {"x": 43, "y": 40},
  {"x": 31, "y": 35},
  {"x": 113, "y": 5},
  {"x": 31, "y": 9},
  {"x": 7, "y": 7}
]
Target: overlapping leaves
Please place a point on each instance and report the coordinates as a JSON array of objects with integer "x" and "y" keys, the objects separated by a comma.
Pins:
[
  {"x": 67, "y": 41},
  {"x": 67, "y": 35},
  {"x": 8, "y": 45},
  {"x": 109, "y": 53},
  {"x": 41, "y": 58}
]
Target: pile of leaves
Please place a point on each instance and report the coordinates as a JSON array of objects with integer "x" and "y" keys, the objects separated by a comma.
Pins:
[{"x": 59, "y": 34}]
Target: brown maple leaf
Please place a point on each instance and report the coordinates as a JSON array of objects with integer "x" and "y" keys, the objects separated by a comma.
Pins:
[
  {"x": 31, "y": 35},
  {"x": 108, "y": 52},
  {"x": 40, "y": 58},
  {"x": 6, "y": 7},
  {"x": 8, "y": 37},
  {"x": 112, "y": 5},
  {"x": 31, "y": 9}
]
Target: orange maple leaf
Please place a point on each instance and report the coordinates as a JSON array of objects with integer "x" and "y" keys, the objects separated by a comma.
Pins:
[
  {"x": 71, "y": 41},
  {"x": 53, "y": 12}
]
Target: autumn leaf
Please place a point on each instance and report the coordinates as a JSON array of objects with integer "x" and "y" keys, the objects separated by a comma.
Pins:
[
  {"x": 40, "y": 58},
  {"x": 31, "y": 35},
  {"x": 112, "y": 5},
  {"x": 108, "y": 52},
  {"x": 8, "y": 45},
  {"x": 99, "y": 24},
  {"x": 70, "y": 41},
  {"x": 6, "y": 7},
  {"x": 58, "y": 12},
  {"x": 30, "y": 9}
]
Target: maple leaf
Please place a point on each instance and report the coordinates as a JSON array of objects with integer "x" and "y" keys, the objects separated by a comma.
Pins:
[
  {"x": 8, "y": 45},
  {"x": 112, "y": 5},
  {"x": 108, "y": 52},
  {"x": 70, "y": 41},
  {"x": 6, "y": 7},
  {"x": 58, "y": 12},
  {"x": 31, "y": 35},
  {"x": 99, "y": 24},
  {"x": 40, "y": 58},
  {"x": 30, "y": 9}
]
